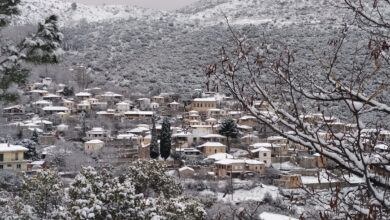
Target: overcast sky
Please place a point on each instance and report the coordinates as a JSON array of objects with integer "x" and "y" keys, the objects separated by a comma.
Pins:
[{"x": 156, "y": 4}]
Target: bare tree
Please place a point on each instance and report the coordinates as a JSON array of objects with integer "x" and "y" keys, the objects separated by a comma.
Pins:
[{"x": 269, "y": 72}]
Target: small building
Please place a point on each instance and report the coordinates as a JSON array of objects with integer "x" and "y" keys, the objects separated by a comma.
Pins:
[
  {"x": 291, "y": 181},
  {"x": 48, "y": 110},
  {"x": 264, "y": 155},
  {"x": 40, "y": 104},
  {"x": 83, "y": 106},
  {"x": 97, "y": 133},
  {"x": 186, "y": 172},
  {"x": 68, "y": 103},
  {"x": 219, "y": 156},
  {"x": 238, "y": 167},
  {"x": 158, "y": 99},
  {"x": 47, "y": 81},
  {"x": 122, "y": 107},
  {"x": 154, "y": 105},
  {"x": 203, "y": 104},
  {"x": 213, "y": 138},
  {"x": 14, "y": 110},
  {"x": 215, "y": 113},
  {"x": 210, "y": 148},
  {"x": 83, "y": 95},
  {"x": 12, "y": 157},
  {"x": 248, "y": 120},
  {"x": 138, "y": 114},
  {"x": 52, "y": 98},
  {"x": 174, "y": 106},
  {"x": 93, "y": 145}
]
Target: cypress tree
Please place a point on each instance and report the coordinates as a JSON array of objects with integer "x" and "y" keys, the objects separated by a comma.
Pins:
[
  {"x": 165, "y": 139},
  {"x": 228, "y": 129},
  {"x": 154, "y": 143}
]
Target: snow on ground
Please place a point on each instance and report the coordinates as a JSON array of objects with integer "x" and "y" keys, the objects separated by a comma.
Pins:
[
  {"x": 285, "y": 166},
  {"x": 325, "y": 178},
  {"x": 256, "y": 194},
  {"x": 272, "y": 216}
]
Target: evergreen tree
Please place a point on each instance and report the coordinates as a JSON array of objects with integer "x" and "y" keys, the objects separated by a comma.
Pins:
[
  {"x": 68, "y": 91},
  {"x": 35, "y": 136},
  {"x": 31, "y": 145},
  {"x": 165, "y": 139},
  {"x": 43, "y": 192},
  {"x": 42, "y": 47},
  {"x": 228, "y": 129},
  {"x": 154, "y": 143}
]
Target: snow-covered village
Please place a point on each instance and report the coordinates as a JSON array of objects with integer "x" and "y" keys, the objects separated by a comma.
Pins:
[{"x": 209, "y": 109}]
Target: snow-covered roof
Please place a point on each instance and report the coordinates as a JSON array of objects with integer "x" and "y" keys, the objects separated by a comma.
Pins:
[
  {"x": 219, "y": 156},
  {"x": 111, "y": 94},
  {"x": 51, "y": 96},
  {"x": 83, "y": 94},
  {"x": 245, "y": 127},
  {"x": 212, "y": 144},
  {"x": 38, "y": 162},
  {"x": 122, "y": 103},
  {"x": 233, "y": 161},
  {"x": 182, "y": 134},
  {"x": 246, "y": 117},
  {"x": 260, "y": 149},
  {"x": 138, "y": 130},
  {"x": 262, "y": 144},
  {"x": 185, "y": 168},
  {"x": 211, "y": 119},
  {"x": 42, "y": 102},
  {"x": 55, "y": 108},
  {"x": 14, "y": 106},
  {"x": 62, "y": 126},
  {"x": 95, "y": 141},
  {"x": 272, "y": 216},
  {"x": 205, "y": 99},
  {"x": 213, "y": 136},
  {"x": 174, "y": 103},
  {"x": 5, "y": 147},
  {"x": 127, "y": 136},
  {"x": 275, "y": 138},
  {"x": 381, "y": 147},
  {"x": 138, "y": 113}
]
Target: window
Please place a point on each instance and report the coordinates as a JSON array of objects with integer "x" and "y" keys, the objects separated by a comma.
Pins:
[
  {"x": 265, "y": 154},
  {"x": 265, "y": 161},
  {"x": 1, "y": 167},
  {"x": 1, "y": 157},
  {"x": 18, "y": 166},
  {"x": 9, "y": 165},
  {"x": 215, "y": 150},
  {"x": 16, "y": 156}
]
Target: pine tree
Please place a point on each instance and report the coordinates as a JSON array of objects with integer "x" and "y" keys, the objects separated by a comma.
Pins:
[
  {"x": 228, "y": 129},
  {"x": 40, "y": 48},
  {"x": 154, "y": 143},
  {"x": 43, "y": 192},
  {"x": 165, "y": 139}
]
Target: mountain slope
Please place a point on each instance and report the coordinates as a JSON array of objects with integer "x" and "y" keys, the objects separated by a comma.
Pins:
[
  {"x": 33, "y": 11},
  {"x": 150, "y": 50}
]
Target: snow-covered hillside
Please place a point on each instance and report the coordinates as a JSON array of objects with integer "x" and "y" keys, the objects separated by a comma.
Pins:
[
  {"x": 279, "y": 12},
  {"x": 33, "y": 11}
]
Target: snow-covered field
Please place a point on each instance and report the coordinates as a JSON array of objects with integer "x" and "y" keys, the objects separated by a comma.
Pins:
[{"x": 255, "y": 194}]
